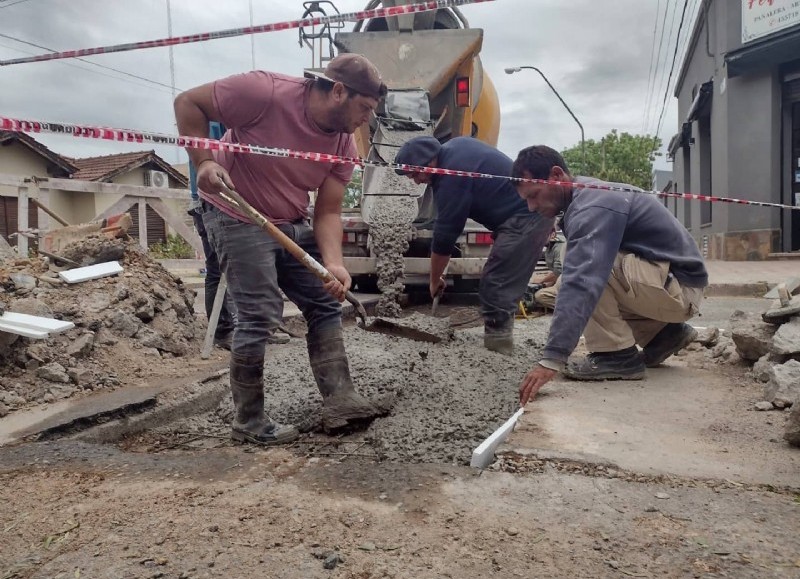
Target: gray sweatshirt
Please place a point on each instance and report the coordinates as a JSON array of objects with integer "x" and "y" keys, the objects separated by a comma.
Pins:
[{"x": 599, "y": 224}]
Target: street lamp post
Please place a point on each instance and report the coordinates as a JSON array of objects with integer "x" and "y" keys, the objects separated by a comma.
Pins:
[{"x": 512, "y": 70}]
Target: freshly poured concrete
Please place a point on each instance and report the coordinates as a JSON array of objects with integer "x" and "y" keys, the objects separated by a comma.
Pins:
[{"x": 681, "y": 421}]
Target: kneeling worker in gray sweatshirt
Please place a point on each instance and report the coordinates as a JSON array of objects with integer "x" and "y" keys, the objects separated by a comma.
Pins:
[{"x": 632, "y": 275}]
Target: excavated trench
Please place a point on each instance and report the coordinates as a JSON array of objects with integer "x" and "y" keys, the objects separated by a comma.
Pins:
[{"x": 448, "y": 397}]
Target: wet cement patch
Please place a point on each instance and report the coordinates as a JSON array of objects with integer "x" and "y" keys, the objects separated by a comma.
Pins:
[{"x": 448, "y": 396}]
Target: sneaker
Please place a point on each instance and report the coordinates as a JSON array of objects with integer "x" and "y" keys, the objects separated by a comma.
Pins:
[
  {"x": 671, "y": 339},
  {"x": 624, "y": 364}
]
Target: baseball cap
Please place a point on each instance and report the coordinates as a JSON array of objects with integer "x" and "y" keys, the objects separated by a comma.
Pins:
[
  {"x": 355, "y": 72},
  {"x": 418, "y": 151}
]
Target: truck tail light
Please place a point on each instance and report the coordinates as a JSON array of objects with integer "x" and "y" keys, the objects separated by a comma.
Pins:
[
  {"x": 462, "y": 91},
  {"x": 479, "y": 238},
  {"x": 348, "y": 237}
]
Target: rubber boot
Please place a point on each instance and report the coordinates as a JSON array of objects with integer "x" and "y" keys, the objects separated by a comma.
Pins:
[
  {"x": 250, "y": 424},
  {"x": 499, "y": 337},
  {"x": 342, "y": 405}
]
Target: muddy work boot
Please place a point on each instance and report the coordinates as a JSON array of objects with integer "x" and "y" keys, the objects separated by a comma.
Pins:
[
  {"x": 624, "y": 364},
  {"x": 250, "y": 424},
  {"x": 499, "y": 337},
  {"x": 671, "y": 339},
  {"x": 342, "y": 406}
]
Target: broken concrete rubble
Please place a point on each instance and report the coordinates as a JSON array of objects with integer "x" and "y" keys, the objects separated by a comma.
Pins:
[
  {"x": 752, "y": 335},
  {"x": 118, "y": 321},
  {"x": 792, "y": 433},
  {"x": 783, "y": 388},
  {"x": 786, "y": 340}
]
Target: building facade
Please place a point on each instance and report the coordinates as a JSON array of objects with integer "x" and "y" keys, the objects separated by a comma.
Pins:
[{"x": 738, "y": 96}]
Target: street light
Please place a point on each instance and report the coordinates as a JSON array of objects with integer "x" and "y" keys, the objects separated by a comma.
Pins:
[{"x": 512, "y": 70}]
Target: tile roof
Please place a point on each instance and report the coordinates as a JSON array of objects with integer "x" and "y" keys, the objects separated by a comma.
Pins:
[
  {"x": 107, "y": 167},
  {"x": 64, "y": 162}
]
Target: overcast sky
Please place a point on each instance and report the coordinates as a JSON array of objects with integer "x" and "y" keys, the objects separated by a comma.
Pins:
[{"x": 596, "y": 53}]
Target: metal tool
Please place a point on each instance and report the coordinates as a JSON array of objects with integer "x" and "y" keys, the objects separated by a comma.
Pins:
[
  {"x": 438, "y": 296},
  {"x": 299, "y": 253}
]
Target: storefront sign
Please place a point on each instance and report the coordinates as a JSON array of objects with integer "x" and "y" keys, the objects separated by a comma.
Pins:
[{"x": 763, "y": 17}]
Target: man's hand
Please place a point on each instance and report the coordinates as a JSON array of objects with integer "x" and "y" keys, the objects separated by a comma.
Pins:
[
  {"x": 533, "y": 382},
  {"x": 437, "y": 286},
  {"x": 211, "y": 176},
  {"x": 342, "y": 284}
]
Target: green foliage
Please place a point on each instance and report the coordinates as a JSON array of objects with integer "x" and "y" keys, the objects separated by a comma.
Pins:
[
  {"x": 619, "y": 158},
  {"x": 175, "y": 247},
  {"x": 352, "y": 194}
]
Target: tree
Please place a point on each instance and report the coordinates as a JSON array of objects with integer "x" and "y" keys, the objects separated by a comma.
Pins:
[
  {"x": 352, "y": 194},
  {"x": 619, "y": 158}
]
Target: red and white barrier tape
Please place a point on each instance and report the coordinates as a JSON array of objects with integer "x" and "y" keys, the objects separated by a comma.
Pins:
[
  {"x": 203, "y": 37},
  {"x": 130, "y": 136}
]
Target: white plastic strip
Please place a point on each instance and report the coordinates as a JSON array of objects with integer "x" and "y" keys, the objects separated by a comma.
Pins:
[
  {"x": 90, "y": 272},
  {"x": 35, "y": 323},
  {"x": 484, "y": 454},
  {"x": 22, "y": 331}
]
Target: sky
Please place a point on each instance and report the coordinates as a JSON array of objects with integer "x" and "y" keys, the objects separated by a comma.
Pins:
[{"x": 602, "y": 57}]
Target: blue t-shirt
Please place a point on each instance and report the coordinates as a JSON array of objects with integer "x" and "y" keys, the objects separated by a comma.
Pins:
[
  {"x": 215, "y": 131},
  {"x": 490, "y": 202}
]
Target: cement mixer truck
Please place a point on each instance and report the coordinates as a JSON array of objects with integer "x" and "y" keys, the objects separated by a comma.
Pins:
[{"x": 437, "y": 86}]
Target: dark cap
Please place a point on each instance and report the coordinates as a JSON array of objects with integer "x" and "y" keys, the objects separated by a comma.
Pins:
[
  {"x": 418, "y": 151},
  {"x": 355, "y": 72}
]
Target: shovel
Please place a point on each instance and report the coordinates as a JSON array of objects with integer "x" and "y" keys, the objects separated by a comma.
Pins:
[
  {"x": 299, "y": 253},
  {"x": 380, "y": 325}
]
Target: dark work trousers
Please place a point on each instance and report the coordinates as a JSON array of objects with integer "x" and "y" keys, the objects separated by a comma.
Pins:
[
  {"x": 518, "y": 244},
  {"x": 258, "y": 268},
  {"x": 226, "y": 318}
]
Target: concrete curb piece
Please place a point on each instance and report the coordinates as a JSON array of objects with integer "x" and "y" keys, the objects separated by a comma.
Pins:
[{"x": 483, "y": 455}]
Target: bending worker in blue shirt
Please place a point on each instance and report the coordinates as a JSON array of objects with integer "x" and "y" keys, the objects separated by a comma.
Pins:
[{"x": 519, "y": 235}]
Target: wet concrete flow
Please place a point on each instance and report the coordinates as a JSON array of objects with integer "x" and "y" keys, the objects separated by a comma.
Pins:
[{"x": 390, "y": 208}]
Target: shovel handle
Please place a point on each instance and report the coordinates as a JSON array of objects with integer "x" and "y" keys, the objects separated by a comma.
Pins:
[{"x": 288, "y": 244}]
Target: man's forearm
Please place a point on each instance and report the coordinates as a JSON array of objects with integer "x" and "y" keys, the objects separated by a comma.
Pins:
[
  {"x": 438, "y": 265},
  {"x": 192, "y": 122}
]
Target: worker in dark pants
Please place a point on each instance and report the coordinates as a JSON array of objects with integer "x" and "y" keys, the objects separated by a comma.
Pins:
[
  {"x": 224, "y": 332},
  {"x": 519, "y": 235},
  {"x": 223, "y": 335},
  {"x": 318, "y": 114}
]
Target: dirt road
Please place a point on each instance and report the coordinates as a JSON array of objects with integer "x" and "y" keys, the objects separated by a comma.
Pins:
[{"x": 179, "y": 500}]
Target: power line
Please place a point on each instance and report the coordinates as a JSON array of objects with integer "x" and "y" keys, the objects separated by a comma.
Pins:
[
  {"x": 672, "y": 69},
  {"x": 650, "y": 69},
  {"x": 13, "y": 4},
  {"x": 15, "y": 49},
  {"x": 171, "y": 87},
  {"x": 651, "y": 95}
]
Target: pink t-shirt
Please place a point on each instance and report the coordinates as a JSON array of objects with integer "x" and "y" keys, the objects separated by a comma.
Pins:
[{"x": 271, "y": 110}]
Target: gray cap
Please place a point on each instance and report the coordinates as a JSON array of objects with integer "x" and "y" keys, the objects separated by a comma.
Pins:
[
  {"x": 355, "y": 72},
  {"x": 418, "y": 151}
]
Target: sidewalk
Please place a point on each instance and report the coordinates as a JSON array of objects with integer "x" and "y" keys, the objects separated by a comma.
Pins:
[{"x": 748, "y": 278}]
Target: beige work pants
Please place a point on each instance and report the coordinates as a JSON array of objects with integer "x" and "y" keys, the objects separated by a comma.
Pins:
[
  {"x": 639, "y": 300},
  {"x": 547, "y": 295}
]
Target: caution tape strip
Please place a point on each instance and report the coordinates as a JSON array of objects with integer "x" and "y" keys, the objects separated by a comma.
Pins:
[
  {"x": 131, "y": 136},
  {"x": 205, "y": 36}
]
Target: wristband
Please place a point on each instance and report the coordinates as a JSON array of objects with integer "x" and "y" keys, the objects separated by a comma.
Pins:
[{"x": 203, "y": 161}]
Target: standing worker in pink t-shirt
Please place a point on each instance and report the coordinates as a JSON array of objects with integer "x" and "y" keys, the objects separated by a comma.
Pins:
[{"x": 317, "y": 114}]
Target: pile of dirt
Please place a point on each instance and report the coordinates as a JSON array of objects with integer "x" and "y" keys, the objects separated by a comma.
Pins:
[{"x": 127, "y": 327}]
